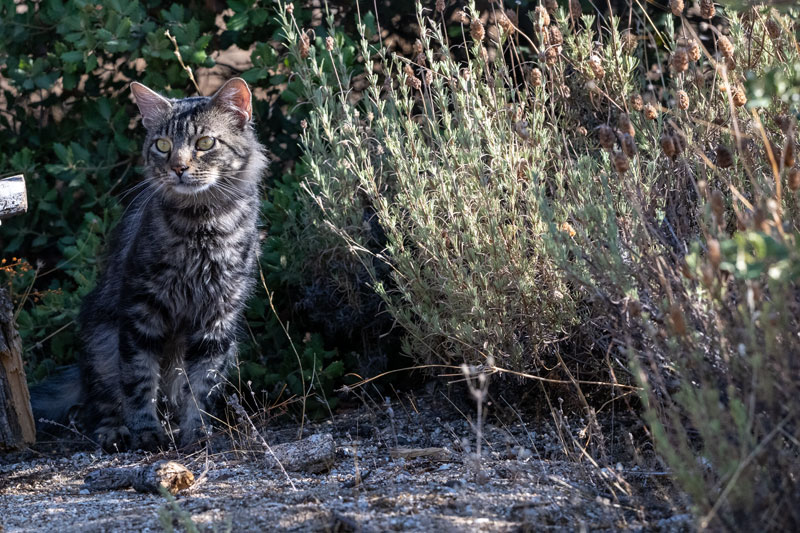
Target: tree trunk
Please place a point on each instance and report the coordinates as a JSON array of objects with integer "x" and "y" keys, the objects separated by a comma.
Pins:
[{"x": 17, "y": 428}]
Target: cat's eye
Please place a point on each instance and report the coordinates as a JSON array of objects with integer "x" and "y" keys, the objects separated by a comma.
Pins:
[
  {"x": 163, "y": 145},
  {"x": 204, "y": 143}
]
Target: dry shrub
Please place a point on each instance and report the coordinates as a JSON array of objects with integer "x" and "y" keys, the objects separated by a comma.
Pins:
[
  {"x": 445, "y": 156},
  {"x": 505, "y": 221}
]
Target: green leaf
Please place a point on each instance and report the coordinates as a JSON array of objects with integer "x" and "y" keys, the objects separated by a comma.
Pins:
[
  {"x": 254, "y": 74},
  {"x": 73, "y": 56},
  {"x": 91, "y": 63},
  {"x": 62, "y": 153},
  {"x": 237, "y": 22}
]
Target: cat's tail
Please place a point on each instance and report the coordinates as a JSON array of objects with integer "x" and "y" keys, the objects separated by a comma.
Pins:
[{"x": 56, "y": 400}]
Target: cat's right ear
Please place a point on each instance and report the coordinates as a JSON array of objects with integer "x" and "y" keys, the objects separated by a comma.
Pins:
[{"x": 152, "y": 105}]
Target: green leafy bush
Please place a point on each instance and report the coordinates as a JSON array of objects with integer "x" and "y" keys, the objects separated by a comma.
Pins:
[{"x": 68, "y": 123}]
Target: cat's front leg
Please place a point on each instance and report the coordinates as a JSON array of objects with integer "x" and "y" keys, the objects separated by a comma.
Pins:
[
  {"x": 140, "y": 347},
  {"x": 208, "y": 356}
]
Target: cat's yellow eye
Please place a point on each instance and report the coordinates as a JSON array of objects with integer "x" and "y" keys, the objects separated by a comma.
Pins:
[
  {"x": 164, "y": 145},
  {"x": 204, "y": 143}
]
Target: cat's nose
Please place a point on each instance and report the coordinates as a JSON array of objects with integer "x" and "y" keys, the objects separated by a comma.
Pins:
[{"x": 179, "y": 170}]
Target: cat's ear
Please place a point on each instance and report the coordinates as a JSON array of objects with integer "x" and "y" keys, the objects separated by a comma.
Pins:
[
  {"x": 235, "y": 97},
  {"x": 152, "y": 105}
]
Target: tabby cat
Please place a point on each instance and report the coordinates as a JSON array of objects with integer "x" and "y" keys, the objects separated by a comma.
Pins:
[{"x": 159, "y": 329}]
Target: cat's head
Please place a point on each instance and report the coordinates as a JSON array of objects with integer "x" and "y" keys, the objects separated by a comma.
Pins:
[{"x": 196, "y": 147}]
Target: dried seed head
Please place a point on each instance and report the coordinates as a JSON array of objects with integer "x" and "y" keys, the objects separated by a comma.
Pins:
[
  {"x": 476, "y": 30},
  {"x": 505, "y": 23},
  {"x": 555, "y": 36},
  {"x": 637, "y": 103},
  {"x": 725, "y": 47},
  {"x": 788, "y": 152},
  {"x": 714, "y": 252},
  {"x": 668, "y": 145},
  {"x": 628, "y": 145},
  {"x": 290, "y": 8},
  {"x": 411, "y": 80},
  {"x": 680, "y": 142},
  {"x": 680, "y": 60},
  {"x": 521, "y": 127},
  {"x": 462, "y": 17},
  {"x": 596, "y": 64},
  {"x": 567, "y": 228},
  {"x": 739, "y": 98},
  {"x": 605, "y": 136},
  {"x": 676, "y": 319},
  {"x": 717, "y": 205},
  {"x": 549, "y": 55},
  {"x": 305, "y": 45},
  {"x": 707, "y": 9},
  {"x": 512, "y": 17},
  {"x": 329, "y": 44},
  {"x": 650, "y": 112},
  {"x": 629, "y": 41},
  {"x": 621, "y": 163},
  {"x": 540, "y": 17},
  {"x": 682, "y": 99},
  {"x": 440, "y": 6},
  {"x": 773, "y": 28},
  {"x": 428, "y": 76},
  {"x": 699, "y": 79},
  {"x": 693, "y": 49},
  {"x": 724, "y": 156},
  {"x": 536, "y": 77},
  {"x": 624, "y": 124},
  {"x": 676, "y": 6},
  {"x": 417, "y": 48},
  {"x": 793, "y": 179},
  {"x": 551, "y": 6},
  {"x": 784, "y": 123}
]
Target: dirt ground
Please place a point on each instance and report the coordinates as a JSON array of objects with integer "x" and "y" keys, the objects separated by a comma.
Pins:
[{"x": 533, "y": 476}]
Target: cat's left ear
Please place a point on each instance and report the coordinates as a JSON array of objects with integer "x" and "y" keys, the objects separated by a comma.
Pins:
[
  {"x": 152, "y": 105},
  {"x": 235, "y": 97}
]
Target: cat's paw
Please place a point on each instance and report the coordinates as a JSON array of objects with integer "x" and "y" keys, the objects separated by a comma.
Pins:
[
  {"x": 150, "y": 440},
  {"x": 114, "y": 439}
]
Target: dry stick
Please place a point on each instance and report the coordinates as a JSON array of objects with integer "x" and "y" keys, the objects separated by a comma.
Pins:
[
  {"x": 180, "y": 60},
  {"x": 234, "y": 401},
  {"x": 490, "y": 370},
  {"x": 152, "y": 478}
]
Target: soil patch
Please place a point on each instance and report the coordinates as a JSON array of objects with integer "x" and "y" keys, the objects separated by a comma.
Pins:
[{"x": 398, "y": 467}]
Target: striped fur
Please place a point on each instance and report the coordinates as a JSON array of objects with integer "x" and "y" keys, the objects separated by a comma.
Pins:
[{"x": 160, "y": 328}]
